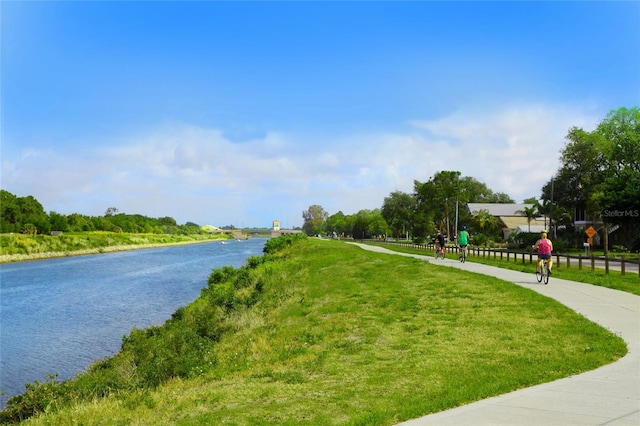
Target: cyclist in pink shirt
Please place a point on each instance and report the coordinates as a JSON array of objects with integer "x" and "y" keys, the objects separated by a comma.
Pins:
[{"x": 544, "y": 247}]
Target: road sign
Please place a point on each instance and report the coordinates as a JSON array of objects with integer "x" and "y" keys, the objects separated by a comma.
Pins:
[{"x": 590, "y": 232}]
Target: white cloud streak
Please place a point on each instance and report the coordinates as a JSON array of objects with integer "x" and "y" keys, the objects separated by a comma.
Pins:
[{"x": 196, "y": 174}]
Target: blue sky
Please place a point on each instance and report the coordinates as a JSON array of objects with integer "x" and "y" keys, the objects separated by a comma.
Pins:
[{"x": 244, "y": 112}]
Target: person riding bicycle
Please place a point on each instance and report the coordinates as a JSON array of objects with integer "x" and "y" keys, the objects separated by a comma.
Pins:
[
  {"x": 544, "y": 247},
  {"x": 463, "y": 240},
  {"x": 440, "y": 248}
]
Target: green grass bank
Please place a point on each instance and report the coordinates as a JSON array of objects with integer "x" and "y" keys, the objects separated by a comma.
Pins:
[
  {"x": 630, "y": 282},
  {"x": 19, "y": 247},
  {"x": 321, "y": 332}
]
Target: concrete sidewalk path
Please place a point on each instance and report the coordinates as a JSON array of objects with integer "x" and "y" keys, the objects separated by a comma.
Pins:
[{"x": 609, "y": 395}]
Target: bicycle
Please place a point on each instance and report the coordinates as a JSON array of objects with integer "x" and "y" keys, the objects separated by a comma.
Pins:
[
  {"x": 440, "y": 251},
  {"x": 543, "y": 273},
  {"x": 463, "y": 254}
]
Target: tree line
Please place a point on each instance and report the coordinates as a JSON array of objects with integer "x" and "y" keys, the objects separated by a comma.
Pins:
[
  {"x": 432, "y": 206},
  {"x": 27, "y": 216},
  {"x": 598, "y": 182}
]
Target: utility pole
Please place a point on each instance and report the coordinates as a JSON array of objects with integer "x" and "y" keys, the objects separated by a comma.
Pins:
[
  {"x": 455, "y": 235},
  {"x": 551, "y": 210}
]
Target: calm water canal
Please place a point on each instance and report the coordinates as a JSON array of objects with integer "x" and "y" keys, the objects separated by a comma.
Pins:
[{"x": 60, "y": 315}]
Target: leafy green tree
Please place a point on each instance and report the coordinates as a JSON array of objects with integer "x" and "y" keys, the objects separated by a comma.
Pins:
[
  {"x": 621, "y": 133},
  {"x": 398, "y": 210},
  {"x": 9, "y": 212},
  {"x": 80, "y": 223},
  {"x": 473, "y": 191},
  {"x": 423, "y": 225},
  {"x": 485, "y": 222},
  {"x": 620, "y": 188},
  {"x": 618, "y": 196},
  {"x": 378, "y": 226},
  {"x": 446, "y": 194},
  {"x": 497, "y": 197},
  {"x": 361, "y": 225},
  {"x": 438, "y": 196},
  {"x": 58, "y": 222},
  {"x": 18, "y": 211},
  {"x": 111, "y": 211},
  {"x": 337, "y": 223},
  {"x": 314, "y": 219},
  {"x": 600, "y": 172}
]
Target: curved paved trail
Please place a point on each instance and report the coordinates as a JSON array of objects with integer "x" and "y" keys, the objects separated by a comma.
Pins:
[{"x": 609, "y": 395}]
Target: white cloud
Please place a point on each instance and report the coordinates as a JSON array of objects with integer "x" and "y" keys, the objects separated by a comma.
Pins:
[
  {"x": 515, "y": 150},
  {"x": 196, "y": 174}
]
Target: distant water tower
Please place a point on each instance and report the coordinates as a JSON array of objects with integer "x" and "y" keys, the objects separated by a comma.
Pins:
[{"x": 276, "y": 225}]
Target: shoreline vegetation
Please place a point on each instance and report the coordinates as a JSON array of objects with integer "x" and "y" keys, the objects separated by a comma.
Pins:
[
  {"x": 22, "y": 248},
  {"x": 316, "y": 331}
]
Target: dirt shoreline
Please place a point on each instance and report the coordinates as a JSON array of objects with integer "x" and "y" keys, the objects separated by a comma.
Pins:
[{"x": 14, "y": 258}]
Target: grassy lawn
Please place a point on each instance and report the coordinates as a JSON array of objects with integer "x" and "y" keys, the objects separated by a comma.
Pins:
[
  {"x": 343, "y": 336},
  {"x": 19, "y": 247},
  {"x": 630, "y": 282}
]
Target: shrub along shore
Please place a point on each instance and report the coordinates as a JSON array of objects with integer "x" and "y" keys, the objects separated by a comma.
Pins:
[
  {"x": 19, "y": 248},
  {"x": 322, "y": 332}
]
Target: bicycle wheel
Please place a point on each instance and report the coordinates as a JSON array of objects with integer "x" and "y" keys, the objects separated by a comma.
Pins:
[
  {"x": 539, "y": 273},
  {"x": 546, "y": 272}
]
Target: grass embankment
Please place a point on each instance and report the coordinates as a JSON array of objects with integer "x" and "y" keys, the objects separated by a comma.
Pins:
[
  {"x": 327, "y": 333},
  {"x": 18, "y": 247},
  {"x": 630, "y": 282}
]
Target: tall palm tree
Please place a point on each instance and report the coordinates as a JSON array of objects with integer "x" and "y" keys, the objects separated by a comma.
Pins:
[{"x": 530, "y": 213}]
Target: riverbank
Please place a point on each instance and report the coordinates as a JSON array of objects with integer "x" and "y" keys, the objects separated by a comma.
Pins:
[
  {"x": 316, "y": 332},
  {"x": 22, "y": 248}
]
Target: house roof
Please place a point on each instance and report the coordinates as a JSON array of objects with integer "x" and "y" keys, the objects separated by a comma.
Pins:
[
  {"x": 513, "y": 222},
  {"x": 534, "y": 229},
  {"x": 498, "y": 209}
]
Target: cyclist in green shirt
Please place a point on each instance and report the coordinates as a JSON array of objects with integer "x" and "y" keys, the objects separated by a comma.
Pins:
[{"x": 463, "y": 240}]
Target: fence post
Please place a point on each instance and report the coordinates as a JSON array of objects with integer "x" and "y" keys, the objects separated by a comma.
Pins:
[
  {"x": 593, "y": 263},
  {"x": 580, "y": 262},
  {"x": 621, "y": 265},
  {"x": 558, "y": 260},
  {"x": 606, "y": 264},
  {"x": 568, "y": 261},
  {"x": 523, "y": 258}
]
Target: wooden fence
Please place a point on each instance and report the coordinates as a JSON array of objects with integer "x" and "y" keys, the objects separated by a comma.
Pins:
[{"x": 568, "y": 261}]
